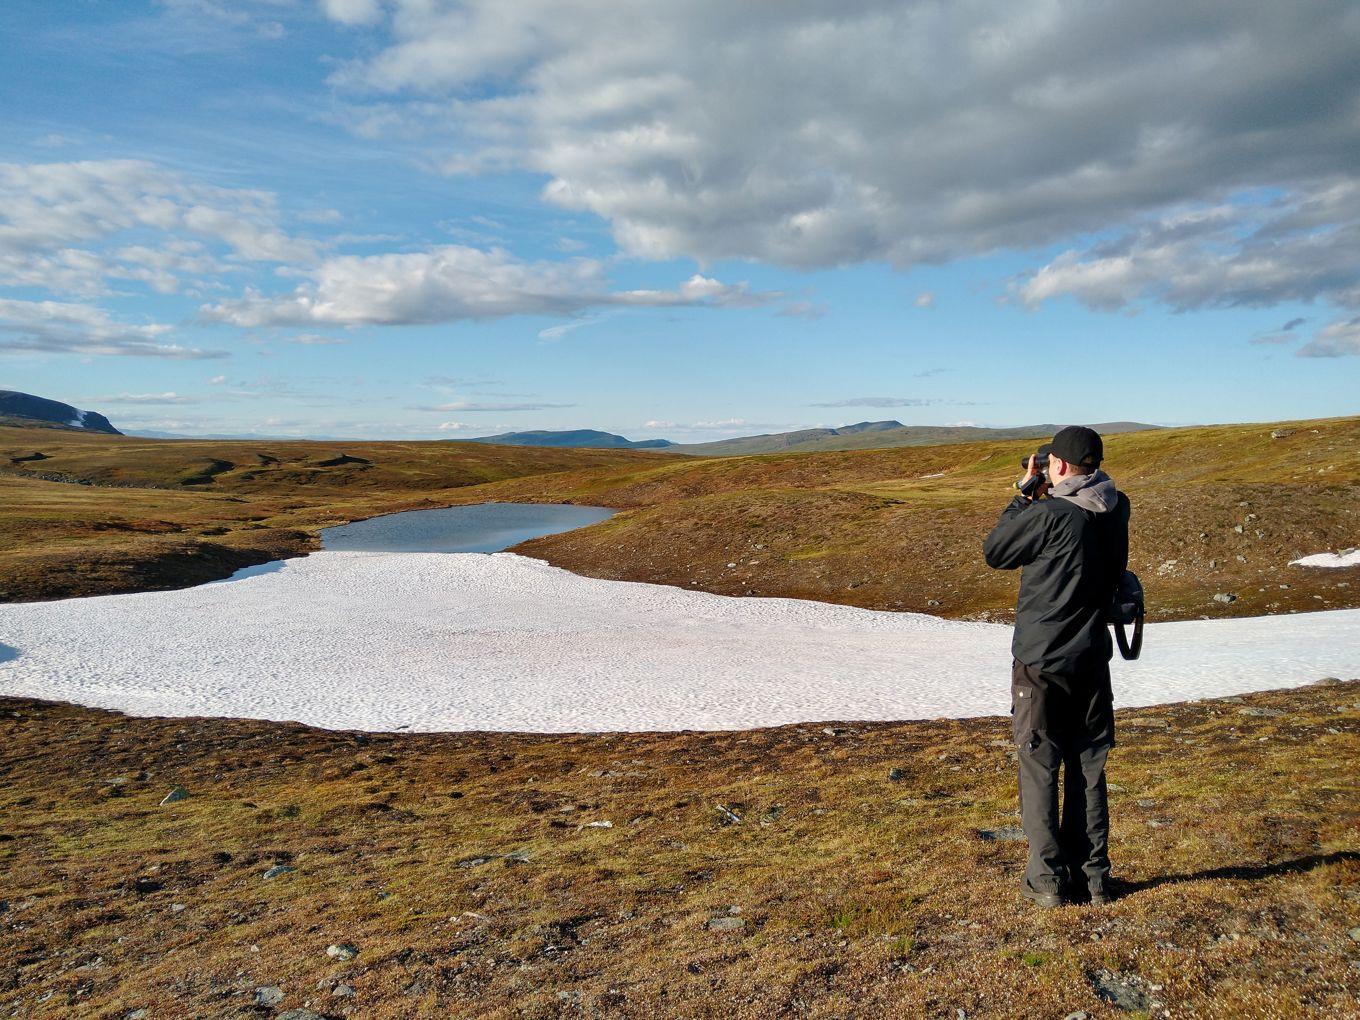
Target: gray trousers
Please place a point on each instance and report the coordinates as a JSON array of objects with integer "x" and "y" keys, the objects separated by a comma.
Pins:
[{"x": 1064, "y": 724}]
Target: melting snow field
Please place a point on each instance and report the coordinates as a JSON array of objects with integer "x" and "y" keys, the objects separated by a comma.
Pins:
[
  {"x": 450, "y": 641},
  {"x": 1350, "y": 558}
]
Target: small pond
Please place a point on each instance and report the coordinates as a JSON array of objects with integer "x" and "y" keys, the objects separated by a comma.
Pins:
[{"x": 478, "y": 527}]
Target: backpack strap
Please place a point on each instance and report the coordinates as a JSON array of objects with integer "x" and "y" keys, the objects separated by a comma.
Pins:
[{"x": 1130, "y": 649}]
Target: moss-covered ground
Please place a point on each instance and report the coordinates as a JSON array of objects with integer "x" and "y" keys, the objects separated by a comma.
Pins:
[{"x": 785, "y": 872}]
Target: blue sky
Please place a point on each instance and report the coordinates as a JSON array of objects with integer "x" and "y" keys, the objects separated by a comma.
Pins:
[{"x": 426, "y": 219}]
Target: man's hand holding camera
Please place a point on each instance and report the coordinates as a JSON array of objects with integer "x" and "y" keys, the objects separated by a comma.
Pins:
[{"x": 1034, "y": 468}]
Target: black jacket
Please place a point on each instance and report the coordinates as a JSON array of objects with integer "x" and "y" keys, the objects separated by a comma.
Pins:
[{"x": 1073, "y": 547}]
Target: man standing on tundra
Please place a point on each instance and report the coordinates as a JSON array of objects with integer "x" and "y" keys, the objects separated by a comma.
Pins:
[{"x": 1072, "y": 539}]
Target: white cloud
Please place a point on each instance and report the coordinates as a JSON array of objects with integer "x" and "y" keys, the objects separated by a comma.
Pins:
[
  {"x": 198, "y": 25},
  {"x": 456, "y": 282},
  {"x": 1253, "y": 254},
  {"x": 720, "y": 425},
  {"x": 317, "y": 340},
  {"x": 1303, "y": 248},
  {"x": 71, "y": 227},
  {"x": 465, "y": 406},
  {"x": 217, "y": 380},
  {"x": 563, "y": 328},
  {"x": 62, "y": 328},
  {"x": 709, "y": 429},
  {"x": 148, "y": 399},
  {"x": 884, "y": 402},
  {"x": 902, "y": 130},
  {"x": 1334, "y": 340},
  {"x": 352, "y": 12},
  {"x": 455, "y": 426},
  {"x": 803, "y": 310},
  {"x": 925, "y": 299}
]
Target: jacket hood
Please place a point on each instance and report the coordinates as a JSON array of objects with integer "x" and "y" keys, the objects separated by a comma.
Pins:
[{"x": 1095, "y": 492}]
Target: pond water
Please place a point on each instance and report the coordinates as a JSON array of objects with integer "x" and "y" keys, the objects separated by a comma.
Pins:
[{"x": 479, "y": 527}]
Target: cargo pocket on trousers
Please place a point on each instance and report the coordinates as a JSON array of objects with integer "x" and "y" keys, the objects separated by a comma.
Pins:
[{"x": 1026, "y": 712}]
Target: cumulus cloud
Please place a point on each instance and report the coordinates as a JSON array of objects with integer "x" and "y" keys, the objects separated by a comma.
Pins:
[
  {"x": 1334, "y": 340},
  {"x": 62, "y": 328},
  {"x": 86, "y": 272},
  {"x": 901, "y": 130},
  {"x": 72, "y": 228},
  {"x": 925, "y": 300},
  {"x": 79, "y": 228},
  {"x": 457, "y": 282},
  {"x": 1255, "y": 254},
  {"x": 1301, "y": 248}
]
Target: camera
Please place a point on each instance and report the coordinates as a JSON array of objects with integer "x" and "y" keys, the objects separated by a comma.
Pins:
[{"x": 1028, "y": 486}]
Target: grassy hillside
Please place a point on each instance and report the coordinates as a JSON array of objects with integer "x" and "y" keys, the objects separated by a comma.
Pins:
[
  {"x": 87, "y": 514},
  {"x": 1216, "y": 510},
  {"x": 855, "y": 871}
]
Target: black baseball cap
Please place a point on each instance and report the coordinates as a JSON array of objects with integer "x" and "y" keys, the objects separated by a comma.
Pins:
[{"x": 1077, "y": 444}]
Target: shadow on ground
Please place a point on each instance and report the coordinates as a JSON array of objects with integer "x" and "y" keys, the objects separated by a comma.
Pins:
[{"x": 1244, "y": 872}]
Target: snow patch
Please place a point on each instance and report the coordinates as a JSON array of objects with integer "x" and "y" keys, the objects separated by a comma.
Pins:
[
  {"x": 457, "y": 641},
  {"x": 79, "y": 420},
  {"x": 1345, "y": 558}
]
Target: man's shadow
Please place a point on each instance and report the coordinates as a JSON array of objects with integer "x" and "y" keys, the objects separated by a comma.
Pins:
[
  {"x": 7, "y": 653},
  {"x": 1243, "y": 871}
]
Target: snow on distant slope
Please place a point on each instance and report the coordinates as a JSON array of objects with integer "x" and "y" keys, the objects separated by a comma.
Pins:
[
  {"x": 1347, "y": 558},
  {"x": 448, "y": 641}
]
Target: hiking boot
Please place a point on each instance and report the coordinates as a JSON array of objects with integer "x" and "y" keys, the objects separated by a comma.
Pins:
[
  {"x": 1100, "y": 895},
  {"x": 1047, "y": 900}
]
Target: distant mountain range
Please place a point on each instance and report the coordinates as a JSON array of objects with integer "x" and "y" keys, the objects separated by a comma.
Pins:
[
  {"x": 591, "y": 438},
  {"x": 865, "y": 435},
  {"x": 875, "y": 435},
  {"x": 25, "y": 409}
]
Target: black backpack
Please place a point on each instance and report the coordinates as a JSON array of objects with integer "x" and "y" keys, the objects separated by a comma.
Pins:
[{"x": 1126, "y": 609}]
